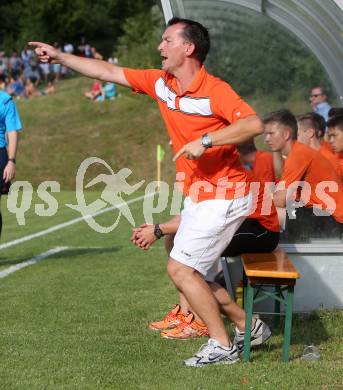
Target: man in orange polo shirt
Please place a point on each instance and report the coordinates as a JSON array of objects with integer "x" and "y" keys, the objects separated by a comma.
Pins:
[
  {"x": 307, "y": 176},
  {"x": 259, "y": 162},
  {"x": 311, "y": 130},
  {"x": 205, "y": 119}
]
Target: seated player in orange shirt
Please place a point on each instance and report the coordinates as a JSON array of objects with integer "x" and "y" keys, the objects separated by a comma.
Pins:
[
  {"x": 258, "y": 233},
  {"x": 335, "y": 133},
  {"x": 311, "y": 130},
  {"x": 321, "y": 191},
  {"x": 259, "y": 162}
]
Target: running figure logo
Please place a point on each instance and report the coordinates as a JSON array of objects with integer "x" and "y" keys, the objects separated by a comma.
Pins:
[{"x": 115, "y": 185}]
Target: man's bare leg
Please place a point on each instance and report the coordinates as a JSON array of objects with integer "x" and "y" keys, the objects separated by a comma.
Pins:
[
  {"x": 185, "y": 307},
  {"x": 200, "y": 297},
  {"x": 228, "y": 306}
]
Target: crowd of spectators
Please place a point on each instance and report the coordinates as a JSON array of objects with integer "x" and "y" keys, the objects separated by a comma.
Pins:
[{"x": 23, "y": 76}]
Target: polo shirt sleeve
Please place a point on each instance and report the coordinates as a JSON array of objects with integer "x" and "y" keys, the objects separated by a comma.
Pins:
[
  {"x": 226, "y": 104},
  {"x": 143, "y": 80},
  {"x": 12, "y": 120}
]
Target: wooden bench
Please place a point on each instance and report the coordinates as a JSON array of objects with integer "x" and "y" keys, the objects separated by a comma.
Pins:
[{"x": 260, "y": 272}]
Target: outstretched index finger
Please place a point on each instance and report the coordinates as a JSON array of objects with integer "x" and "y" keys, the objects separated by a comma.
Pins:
[
  {"x": 37, "y": 44},
  {"x": 179, "y": 153}
]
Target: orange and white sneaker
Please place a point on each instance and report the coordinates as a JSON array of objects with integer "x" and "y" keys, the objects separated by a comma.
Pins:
[
  {"x": 170, "y": 321},
  {"x": 189, "y": 328}
]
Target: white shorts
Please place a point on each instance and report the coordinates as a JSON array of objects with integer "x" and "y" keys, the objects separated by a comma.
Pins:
[{"x": 206, "y": 229}]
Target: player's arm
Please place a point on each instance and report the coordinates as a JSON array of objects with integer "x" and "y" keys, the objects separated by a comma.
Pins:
[
  {"x": 279, "y": 198},
  {"x": 277, "y": 164},
  {"x": 89, "y": 67},
  {"x": 9, "y": 171},
  {"x": 240, "y": 131},
  {"x": 144, "y": 236}
]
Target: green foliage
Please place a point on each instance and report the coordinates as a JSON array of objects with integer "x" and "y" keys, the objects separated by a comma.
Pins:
[
  {"x": 137, "y": 46},
  {"x": 63, "y": 21},
  {"x": 256, "y": 55}
]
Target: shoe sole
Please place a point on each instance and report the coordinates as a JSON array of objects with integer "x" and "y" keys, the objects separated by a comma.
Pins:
[
  {"x": 183, "y": 338},
  {"x": 263, "y": 338},
  {"x": 256, "y": 342},
  {"x": 226, "y": 362},
  {"x": 160, "y": 329}
]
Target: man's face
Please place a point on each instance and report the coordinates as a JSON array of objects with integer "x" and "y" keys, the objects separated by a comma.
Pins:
[
  {"x": 304, "y": 134},
  {"x": 336, "y": 139},
  {"x": 275, "y": 136},
  {"x": 317, "y": 97},
  {"x": 173, "y": 48}
]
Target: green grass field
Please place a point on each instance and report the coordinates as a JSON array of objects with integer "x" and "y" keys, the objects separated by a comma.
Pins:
[{"x": 78, "y": 319}]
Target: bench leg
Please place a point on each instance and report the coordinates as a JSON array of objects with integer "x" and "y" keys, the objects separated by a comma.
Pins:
[
  {"x": 227, "y": 278},
  {"x": 245, "y": 283},
  {"x": 277, "y": 307},
  {"x": 248, "y": 305},
  {"x": 288, "y": 324}
]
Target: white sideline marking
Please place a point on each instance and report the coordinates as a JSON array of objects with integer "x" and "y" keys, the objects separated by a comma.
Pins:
[
  {"x": 44, "y": 255},
  {"x": 34, "y": 260},
  {"x": 71, "y": 222}
]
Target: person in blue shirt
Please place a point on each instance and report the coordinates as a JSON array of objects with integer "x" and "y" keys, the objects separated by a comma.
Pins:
[
  {"x": 318, "y": 100},
  {"x": 10, "y": 125}
]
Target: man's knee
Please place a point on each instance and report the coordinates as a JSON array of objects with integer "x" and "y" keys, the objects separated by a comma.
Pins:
[{"x": 179, "y": 272}]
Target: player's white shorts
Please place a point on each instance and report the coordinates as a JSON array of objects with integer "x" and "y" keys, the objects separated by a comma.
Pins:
[{"x": 206, "y": 229}]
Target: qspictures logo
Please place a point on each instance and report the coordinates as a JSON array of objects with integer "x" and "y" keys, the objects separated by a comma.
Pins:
[{"x": 158, "y": 196}]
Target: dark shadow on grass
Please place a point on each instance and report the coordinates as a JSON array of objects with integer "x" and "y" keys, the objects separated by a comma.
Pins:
[
  {"x": 66, "y": 253},
  {"x": 84, "y": 251}
]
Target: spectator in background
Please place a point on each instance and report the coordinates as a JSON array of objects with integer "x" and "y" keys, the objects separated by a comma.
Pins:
[
  {"x": 319, "y": 104},
  {"x": 311, "y": 130},
  {"x": 16, "y": 87},
  {"x": 88, "y": 51},
  {"x": 95, "y": 91},
  {"x": 26, "y": 56},
  {"x": 108, "y": 92},
  {"x": 68, "y": 48},
  {"x": 96, "y": 54},
  {"x": 56, "y": 68},
  {"x": 2, "y": 82},
  {"x": 259, "y": 162},
  {"x": 10, "y": 125},
  {"x": 49, "y": 89},
  {"x": 3, "y": 64},
  {"x": 45, "y": 71},
  {"x": 15, "y": 64},
  {"x": 32, "y": 72}
]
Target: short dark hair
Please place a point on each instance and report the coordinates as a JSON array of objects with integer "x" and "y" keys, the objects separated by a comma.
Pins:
[
  {"x": 314, "y": 121},
  {"x": 336, "y": 118},
  {"x": 246, "y": 147},
  {"x": 323, "y": 90},
  {"x": 335, "y": 111},
  {"x": 285, "y": 118},
  {"x": 195, "y": 33}
]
